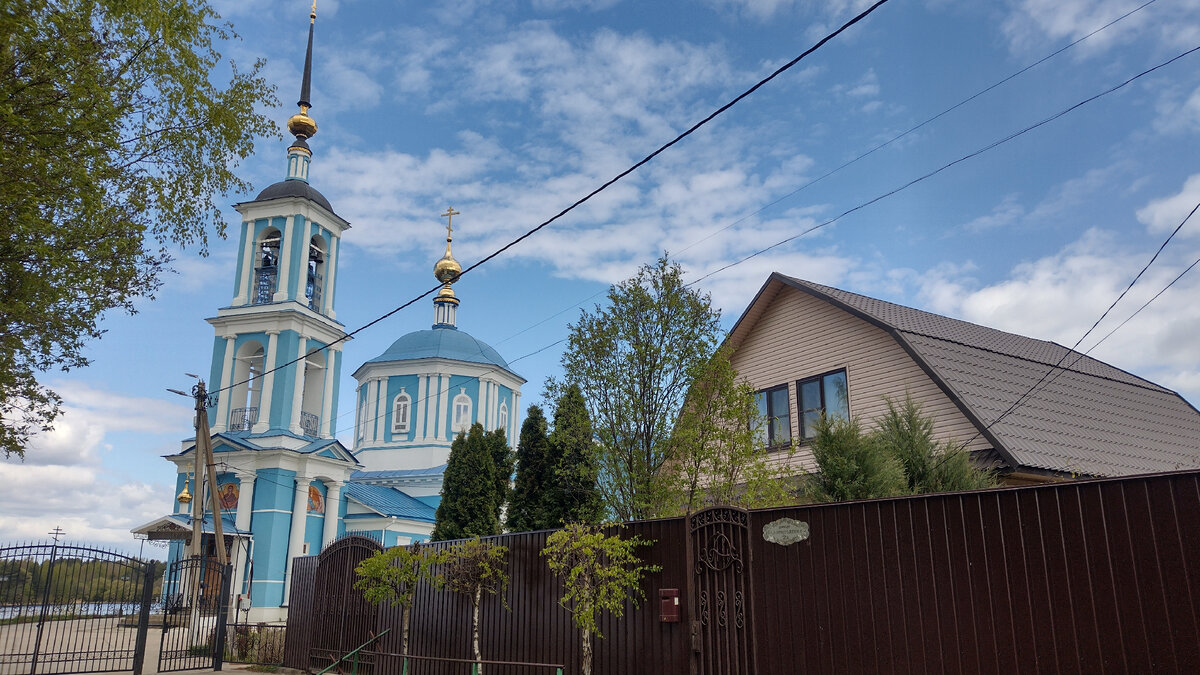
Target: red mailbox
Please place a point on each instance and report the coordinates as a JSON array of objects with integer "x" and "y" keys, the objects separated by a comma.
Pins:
[{"x": 668, "y": 605}]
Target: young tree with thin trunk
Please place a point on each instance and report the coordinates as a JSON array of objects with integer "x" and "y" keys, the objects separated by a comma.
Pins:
[
  {"x": 393, "y": 576},
  {"x": 472, "y": 568},
  {"x": 600, "y": 573},
  {"x": 633, "y": 361}
]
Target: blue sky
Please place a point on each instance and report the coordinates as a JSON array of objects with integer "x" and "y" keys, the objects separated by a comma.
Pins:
[{"x": 509, "y": 111}]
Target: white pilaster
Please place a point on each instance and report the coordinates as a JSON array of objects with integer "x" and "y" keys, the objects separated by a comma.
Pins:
[
  {"x": 333, "y": 496},
  {"x": 380, "y": 403},
  {"x": 268, "y": 390},
  {"x": 419, "y": 407},
  {"x": 296, "y": 538},
  {"x": 285, "y": 263},
  {"x": 327, "y": 394},
  {"x": 514, "y": 420},
  {"x": 330, "y": 278},
  {"x": 305, "y": 241},
  {"x": 443, "y": 403},
  {"x": 222, "y": 422},
  {"x": 494, "y": 414},
  {"x": 298, "y": 386},
  {"x": 481, "y": 404},
  {"x": 242, "y": 521},
  {"x": 241, "y": 294}
]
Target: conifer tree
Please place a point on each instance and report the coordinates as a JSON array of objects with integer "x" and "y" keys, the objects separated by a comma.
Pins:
[
  {"x": 572, "y": 495},
  {"x": 502, "y": 464},
  {"x": 527, "y": 510},
  {"x": 468, "y": 507}
]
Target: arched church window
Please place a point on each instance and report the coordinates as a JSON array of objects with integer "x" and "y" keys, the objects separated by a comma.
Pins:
[
  {"x": 502, "y": 417},
  {"x": 400, "y": 412},
  {"x": 316, "y": 272},
  {"x": 266, "y": 272},
  {"x": 313, "y": 390},
  {"x": 462, "y": 411}
]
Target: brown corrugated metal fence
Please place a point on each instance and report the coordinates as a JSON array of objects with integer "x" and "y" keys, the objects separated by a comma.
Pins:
[{"x": 1092, "y": 576}]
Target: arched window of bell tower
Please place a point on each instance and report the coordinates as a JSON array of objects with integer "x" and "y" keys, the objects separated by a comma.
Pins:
[
  {"x": 247, "y": 386},
  {"x": 314, "y": 389},
  {"x": 317, "y": 250},
  {"x": 266, "y": 266}
]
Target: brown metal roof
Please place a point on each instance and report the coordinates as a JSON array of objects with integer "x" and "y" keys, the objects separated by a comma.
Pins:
[{"x": 1088, "y": 418}]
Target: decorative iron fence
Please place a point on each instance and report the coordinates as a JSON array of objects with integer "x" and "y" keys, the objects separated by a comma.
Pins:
[
  {"x": 310, "y": 424},
  {"x": 72, "y": 609},
  {"x": 264, "y": 284}
]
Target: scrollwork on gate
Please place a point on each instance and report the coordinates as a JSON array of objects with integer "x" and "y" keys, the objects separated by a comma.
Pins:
[{"x": 719, "y": 556}]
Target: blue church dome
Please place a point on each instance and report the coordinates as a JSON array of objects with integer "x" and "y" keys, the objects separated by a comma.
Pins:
[
  {"x": 294, "y": 188},
  {"x": 445, "y": 343}
]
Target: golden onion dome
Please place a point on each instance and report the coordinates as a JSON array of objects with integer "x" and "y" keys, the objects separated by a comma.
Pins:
[
  {"x": 185, "y": 497},
  {"x": 301, "y": 125},
  {"x": 447, "y": 270}
]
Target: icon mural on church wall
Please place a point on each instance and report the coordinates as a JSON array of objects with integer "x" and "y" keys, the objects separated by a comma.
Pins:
[
  {"x": 227, "y": 494},
  {"x": 316, "y": 503}
]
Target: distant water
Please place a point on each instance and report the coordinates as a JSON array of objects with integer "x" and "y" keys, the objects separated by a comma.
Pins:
[{"x": 80, "y": 608}]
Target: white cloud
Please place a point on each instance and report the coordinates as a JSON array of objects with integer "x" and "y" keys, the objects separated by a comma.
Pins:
[
  {"x": 1031, "y": 24},
  {"x": 1007, "y": 212},
  {"x": 588, "y": 5},
  {"x": 1177, "y": 112},
  {"x": 1164, "y": 215}
]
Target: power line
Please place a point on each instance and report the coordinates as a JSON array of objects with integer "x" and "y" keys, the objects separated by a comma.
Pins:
[
  {"x": 942, "y": 168},
  {"x": 692, "y": 129}
]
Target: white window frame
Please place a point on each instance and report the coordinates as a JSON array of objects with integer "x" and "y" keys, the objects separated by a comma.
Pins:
[
  {"x": 502, "y": 417},
  {"x": 462, "y": 404},
  {"x": 401, "y": 423}
]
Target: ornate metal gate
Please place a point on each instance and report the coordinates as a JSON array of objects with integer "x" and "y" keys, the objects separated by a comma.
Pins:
[
  {"x": 195, "y": 606},
  {"x": 347, "y": 619},
  {"x": 720, "y": 551},
  {"x": 69, "y": 609}
]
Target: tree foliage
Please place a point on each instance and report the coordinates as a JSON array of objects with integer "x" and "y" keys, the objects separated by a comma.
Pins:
[
  {"x": 472, "y": 568},
  {"x": 633, "y": 360},
  {"x": 393, "y": 575},
  {"x": 717, "y": 455},
  {"x": 573, "y": 495},
  {"x": 527, "y": 508},
  {"x": 929, "y": 466},
  {"x": 600, "y": 573},
  {"x": 114, "y": 143},
  {"x": 470, "y": 506},
  {"x": 851, "y": 464}
]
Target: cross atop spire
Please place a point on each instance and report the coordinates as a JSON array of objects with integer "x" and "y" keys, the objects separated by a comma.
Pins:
[{"x": 449, "y": 216}]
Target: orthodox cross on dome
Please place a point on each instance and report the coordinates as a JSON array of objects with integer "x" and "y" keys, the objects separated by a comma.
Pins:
[
  {"x": 312, "y": 17},
  {"x": 449, "y": 216}
]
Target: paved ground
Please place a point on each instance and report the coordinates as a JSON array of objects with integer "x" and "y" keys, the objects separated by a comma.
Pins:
[{"x": 91, "y": 645}]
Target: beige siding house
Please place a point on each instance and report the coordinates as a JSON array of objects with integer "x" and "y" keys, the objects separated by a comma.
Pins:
[{"x": 811, "y": 348}]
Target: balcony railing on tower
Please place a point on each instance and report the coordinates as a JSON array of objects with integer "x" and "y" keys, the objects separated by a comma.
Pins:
[
  {"x": 264, "y": 284},
  {"x": 242, "y": 419},
  {"x": 313, "y": 291},
  {"x": 310, "y": 424}
]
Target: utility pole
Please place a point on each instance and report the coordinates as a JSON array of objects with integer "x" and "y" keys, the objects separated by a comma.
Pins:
[{"x": 204, "y": 465}]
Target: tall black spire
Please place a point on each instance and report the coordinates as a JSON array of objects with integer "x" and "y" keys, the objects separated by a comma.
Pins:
[{"x": 304, "y": 103}]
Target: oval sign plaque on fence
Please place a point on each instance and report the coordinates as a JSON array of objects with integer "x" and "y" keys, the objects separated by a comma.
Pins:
[{"x": 785, "y": 531}]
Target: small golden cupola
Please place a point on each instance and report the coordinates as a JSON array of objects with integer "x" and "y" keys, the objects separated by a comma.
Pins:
[
  {"x": 184, "y": 496},
  {"x": 446, "y": 270}
]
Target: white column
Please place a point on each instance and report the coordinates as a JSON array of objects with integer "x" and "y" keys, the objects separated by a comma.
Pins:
[
  {"x": 494, "y": 407},
  {"x": 327, "y": 395},
  {"x": 419, "y": 407},
  {"x": 330, "y": 278},
  {"x": 481, "y": 405},
  {"x": 304, "y": 241},
  {"x": 264, "y": 399},
  {"x": 299, "y": 520},
  {"x": 298, "y": 387},
  {"x": 369, "y": 422},
  {"x": 285, "y": 263},
  {"x": 222, "y": 422},
  {"x": 241, "y": 294},
  {"x": 242, "y": 521},
  {"x": 443, "y": 407},
  {"x": 514, "y": 420},
  {"x": 333, "y": 495},
  {"x": 380, "y": 403}
]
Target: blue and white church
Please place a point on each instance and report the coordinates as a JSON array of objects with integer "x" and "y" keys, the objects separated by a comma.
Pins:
[{"x": 286, "y": 485}]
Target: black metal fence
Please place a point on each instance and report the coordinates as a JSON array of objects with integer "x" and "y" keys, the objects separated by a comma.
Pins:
[
  {"x": 194, "y": 617},
  {"x": 72, "y": 609}
]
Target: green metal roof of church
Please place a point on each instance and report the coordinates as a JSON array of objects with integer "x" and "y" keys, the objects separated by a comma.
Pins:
[{"x": 443, "y": 342}]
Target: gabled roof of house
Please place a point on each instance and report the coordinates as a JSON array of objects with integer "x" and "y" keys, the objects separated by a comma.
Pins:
[
  {"x": 388, "y": 501},
  {"x": 1087, "y": 418}
]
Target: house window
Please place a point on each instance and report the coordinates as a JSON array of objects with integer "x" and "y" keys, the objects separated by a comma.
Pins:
[
  {"x": 502, "y": 418},
  {"x": 400, "y": 412},
  {"x": 776, "y": 427},
  {"x": 822, "y": 394},
  {"x": 462, "y": 411}
]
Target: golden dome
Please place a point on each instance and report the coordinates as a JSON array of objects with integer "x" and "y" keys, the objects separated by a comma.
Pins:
[
  {"x": 447, "y": 269},
  {"x": 446, "y": 295},
  {"x": 184, "y": 497},
  {"x": 301, "y": 125}
]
